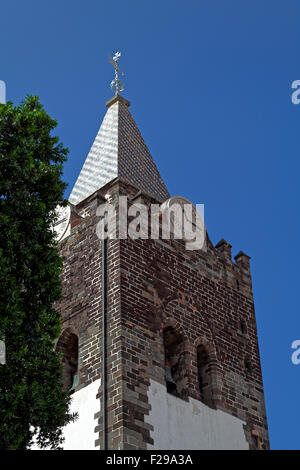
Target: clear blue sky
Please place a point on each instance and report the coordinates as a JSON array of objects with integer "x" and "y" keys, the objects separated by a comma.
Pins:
[{"x": 209, "y": 82}]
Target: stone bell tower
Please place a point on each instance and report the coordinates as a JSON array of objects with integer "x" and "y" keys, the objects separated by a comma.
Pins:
[{"x": 161, "y": 341}]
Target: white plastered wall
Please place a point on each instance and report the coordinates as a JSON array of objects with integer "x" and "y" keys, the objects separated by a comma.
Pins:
[
  {"x": 190, "y": 425},
  {"x": 81, "y": 435}
]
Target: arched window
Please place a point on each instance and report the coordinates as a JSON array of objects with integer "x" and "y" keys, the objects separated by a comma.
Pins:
[
  {"x": 243, "y": 327},
  {"x": 68, "y": 345},
  {"x": 204, "y": 375},
  {"x": 175, "y": 370},
  {"x": 248, "y": 366},
  {"x": 256, "y": 441}
]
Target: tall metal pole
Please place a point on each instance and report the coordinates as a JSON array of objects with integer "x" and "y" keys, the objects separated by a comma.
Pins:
[{"x": 104, "y": 341}]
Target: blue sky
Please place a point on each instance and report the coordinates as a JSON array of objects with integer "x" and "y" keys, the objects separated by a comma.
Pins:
[{"x": 210, "y": 87}]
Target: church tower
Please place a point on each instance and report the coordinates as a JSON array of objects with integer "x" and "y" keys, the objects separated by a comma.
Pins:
[{"x": 159, "y": 342}]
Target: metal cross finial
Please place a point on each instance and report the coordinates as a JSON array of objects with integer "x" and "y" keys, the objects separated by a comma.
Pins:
[{"x": 116, "y": 85}]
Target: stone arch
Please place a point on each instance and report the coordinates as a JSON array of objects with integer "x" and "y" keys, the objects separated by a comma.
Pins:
[
  {"x": 176, "y": 313},
  {"x": 175, "y": 353},
  {"x": 178, "y": 303},
  {"x": 209, "y": 345},
  {"x": 171, "y": 322},
  {"x": 67, "y": 344},
  {"x": 248, "y": 366},
  {"x": 63, "y": 339},
  {"x": 180, "y": 353},
  {"x": 209, "y": 375}
]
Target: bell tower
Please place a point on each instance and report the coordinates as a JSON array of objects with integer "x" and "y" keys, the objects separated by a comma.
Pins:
[{"x": 160, "y": 342}]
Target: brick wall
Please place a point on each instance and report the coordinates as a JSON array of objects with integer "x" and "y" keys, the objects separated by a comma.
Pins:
[{"x": 152, "y": 284}]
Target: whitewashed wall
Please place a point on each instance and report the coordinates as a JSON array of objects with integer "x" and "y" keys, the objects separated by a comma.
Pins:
[
  {"x": 190, "y": 425},
  {"x": 81, "y": 435}
]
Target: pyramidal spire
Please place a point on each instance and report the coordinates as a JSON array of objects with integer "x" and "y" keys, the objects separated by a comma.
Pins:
[{"x": 119, "y": 151}]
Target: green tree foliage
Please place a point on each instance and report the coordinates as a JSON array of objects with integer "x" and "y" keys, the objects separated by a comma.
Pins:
[{"x": 32, "y": 402}]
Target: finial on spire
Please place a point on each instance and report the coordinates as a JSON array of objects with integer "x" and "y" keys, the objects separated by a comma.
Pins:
[{"x": 116, "y": 85}]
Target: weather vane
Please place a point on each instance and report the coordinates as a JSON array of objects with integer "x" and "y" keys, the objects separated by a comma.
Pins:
[{"x": 116, "y": 85}]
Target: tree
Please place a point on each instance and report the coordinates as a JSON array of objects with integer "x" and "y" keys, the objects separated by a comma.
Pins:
[{"x": 33, "y": 404}]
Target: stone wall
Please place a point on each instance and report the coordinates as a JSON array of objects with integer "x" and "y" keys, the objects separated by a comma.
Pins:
[{"x": 205, "y": 296}]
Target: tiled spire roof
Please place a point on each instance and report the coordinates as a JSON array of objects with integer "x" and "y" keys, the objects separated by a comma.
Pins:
[{"x": 119, "y": 151}]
